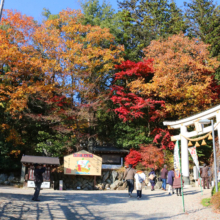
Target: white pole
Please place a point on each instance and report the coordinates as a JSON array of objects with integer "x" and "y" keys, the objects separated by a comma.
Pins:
[
  {"x": 214, "y": 154},
  {"x": 1, "y": 8},
  {"x": 184, "y": 156}
]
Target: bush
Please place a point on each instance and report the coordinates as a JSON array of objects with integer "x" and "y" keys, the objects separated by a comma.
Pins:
[
  {"x": 206, "y": 202},
  {"x": 213, "y": 189},
  {"x": 215, "y": 200}
]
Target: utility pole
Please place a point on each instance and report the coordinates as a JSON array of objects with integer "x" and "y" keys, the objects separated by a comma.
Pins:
[{"x": 1, "y": 9}]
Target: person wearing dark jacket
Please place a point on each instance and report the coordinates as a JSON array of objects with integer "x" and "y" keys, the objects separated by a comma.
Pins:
[
  {"x": 38, "y": 180},
  {"x": 170, "y": 181},
  {"x": 129, "y": 177},
  {"x": 152, "y": 177},
  {"x": 205, "y": 176},
  {"x": 164, "y": 173}
]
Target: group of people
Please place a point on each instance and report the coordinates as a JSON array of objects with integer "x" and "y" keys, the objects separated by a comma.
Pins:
[
  {"x": 170, "y": 177},
  {"x": 139, "y": 176},
  {"x": 173, "y": 179}
]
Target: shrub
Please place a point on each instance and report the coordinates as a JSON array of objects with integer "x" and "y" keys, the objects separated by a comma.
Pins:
[
  {"x": 206, "y": 202},
  {"x": 213, "y": 189},
  {"x": 215, "y": 200},
  {"x": 133, "y": 158}
]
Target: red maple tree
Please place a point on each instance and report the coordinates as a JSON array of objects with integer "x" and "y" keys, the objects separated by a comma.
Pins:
[
  {"x": 131, "y": 105},
  {"x": 134, "y": 157},
  {"x": 151, "y": 156},
  {"x": 163, "y": 137}
]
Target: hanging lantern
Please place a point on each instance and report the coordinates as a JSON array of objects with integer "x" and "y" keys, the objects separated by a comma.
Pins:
[
  {"x": 190, "y": 144},
  {"x": 203, "y": 143},
  {"x": 210, "y": 137},
  {"x": 197, "y": 144}
]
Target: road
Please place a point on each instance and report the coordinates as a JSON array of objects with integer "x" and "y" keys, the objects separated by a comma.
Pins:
[{"x": 85, "y": 205}]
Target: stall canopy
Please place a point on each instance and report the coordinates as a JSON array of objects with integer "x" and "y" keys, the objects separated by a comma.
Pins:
[{"x": 26, "y": 159}]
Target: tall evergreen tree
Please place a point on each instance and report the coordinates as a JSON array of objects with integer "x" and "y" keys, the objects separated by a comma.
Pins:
[
  {"x": 203, "y": 19},
  {"x": 147, "y": 20}
]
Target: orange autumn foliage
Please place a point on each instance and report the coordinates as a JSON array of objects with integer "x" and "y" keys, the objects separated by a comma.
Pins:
[
  {"x": 59, "y": 56},
  {"x": 183, "y": 75},
  {"x": 24, "y": 76},
  {"x": 151, "y": 156},
  {"x": 81, "y": 57}
]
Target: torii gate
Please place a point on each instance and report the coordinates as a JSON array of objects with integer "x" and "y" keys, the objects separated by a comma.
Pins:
[{"x": 182, "y": 125}]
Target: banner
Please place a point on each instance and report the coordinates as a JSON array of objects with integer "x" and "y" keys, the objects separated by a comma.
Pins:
[
  {"x": 176, "y": 160},
  {"x": 192, "y": 151}
]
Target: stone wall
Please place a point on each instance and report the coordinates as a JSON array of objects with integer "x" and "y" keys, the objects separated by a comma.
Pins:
[
  {"x": 110, "y": 179},
  {"x": 9, "y": 179}
]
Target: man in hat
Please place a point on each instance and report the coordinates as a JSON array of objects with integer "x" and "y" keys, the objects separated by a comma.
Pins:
[
  {"x": 205, "y": 176},
  {"x": 38, "y": 180}
]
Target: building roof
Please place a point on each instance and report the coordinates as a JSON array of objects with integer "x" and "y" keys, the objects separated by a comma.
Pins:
[
  {"x": 99, "y": 149},
  {"x": 40, "y": 160}
]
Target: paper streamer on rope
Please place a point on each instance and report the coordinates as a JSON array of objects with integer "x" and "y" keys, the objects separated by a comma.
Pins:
[
  {"x": 192, "y": 151},
  {"x": 176, "y": 160}
]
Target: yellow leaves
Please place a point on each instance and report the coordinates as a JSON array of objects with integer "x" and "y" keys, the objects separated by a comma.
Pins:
[
  {"x": 183, "y": 75},
  {"x": 4, "y": 126}
]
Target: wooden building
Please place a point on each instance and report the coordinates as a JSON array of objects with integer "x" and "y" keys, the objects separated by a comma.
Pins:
[
  {"x": 112, "y": 157},
  {"x": 27, "y": 172}
]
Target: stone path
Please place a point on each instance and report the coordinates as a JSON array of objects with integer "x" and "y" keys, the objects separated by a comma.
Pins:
[{"x": 85, "y": 205}]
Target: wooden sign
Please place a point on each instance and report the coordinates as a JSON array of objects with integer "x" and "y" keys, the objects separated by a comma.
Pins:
[{"x": 82, "y": 163}]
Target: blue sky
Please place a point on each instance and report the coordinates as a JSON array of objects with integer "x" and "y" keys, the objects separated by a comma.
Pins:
[{"x": 35, "y": 7}]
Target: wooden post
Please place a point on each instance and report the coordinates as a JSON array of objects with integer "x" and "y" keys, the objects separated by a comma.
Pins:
[{"x": 94, "y": 182}]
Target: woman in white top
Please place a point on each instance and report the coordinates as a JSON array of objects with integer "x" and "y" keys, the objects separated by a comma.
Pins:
[{"x": 140, "y": 181}]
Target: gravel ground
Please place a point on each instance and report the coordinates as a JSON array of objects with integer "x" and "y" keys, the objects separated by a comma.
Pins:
[{"x": 85, "y": 205}]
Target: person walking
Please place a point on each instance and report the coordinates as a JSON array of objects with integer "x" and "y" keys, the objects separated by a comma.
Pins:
[
  {"x": 177, "y": 184},
  {"x": 152, "y": 177},
  {"x": 170, "y": 181},
  {"x": 38, "y": 180},
  {"x": 205, "y": 176},
  {"x": 164, "y": 177},
  {"x": 129, "y": 177},
  {"x": 140, "y": 180}
]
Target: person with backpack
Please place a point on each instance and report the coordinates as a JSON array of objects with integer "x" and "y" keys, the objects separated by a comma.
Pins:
[
  {"x": 129, "y": 177},
  {"x": 140, "y": 180},
  {"x": 38, "y": 180},
  {"x": 152, "y": 177}
]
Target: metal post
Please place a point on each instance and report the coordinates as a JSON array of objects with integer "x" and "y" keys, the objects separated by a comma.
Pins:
[
  {"x": 1, "y": 8},
  {"x": 214, "y": 154}
]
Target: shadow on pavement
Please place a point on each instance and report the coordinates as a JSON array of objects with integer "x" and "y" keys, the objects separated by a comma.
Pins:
[{"x": 71, "y": 205}]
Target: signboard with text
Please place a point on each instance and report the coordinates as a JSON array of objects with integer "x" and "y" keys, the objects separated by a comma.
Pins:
[{"x": 82, "y": 163}]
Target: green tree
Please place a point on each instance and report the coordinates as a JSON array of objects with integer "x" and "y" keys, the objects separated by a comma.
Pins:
[
  {"x": 203, "y": 20},
  {"x": 102, "y": 15},
  {"x": 147, "y": 20}
]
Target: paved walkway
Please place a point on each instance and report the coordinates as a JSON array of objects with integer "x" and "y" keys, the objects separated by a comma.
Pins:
[{"x": 100, "y": 205}]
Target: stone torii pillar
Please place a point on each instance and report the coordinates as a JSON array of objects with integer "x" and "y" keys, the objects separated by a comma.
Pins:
[{"x": 213, "y": 113}]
